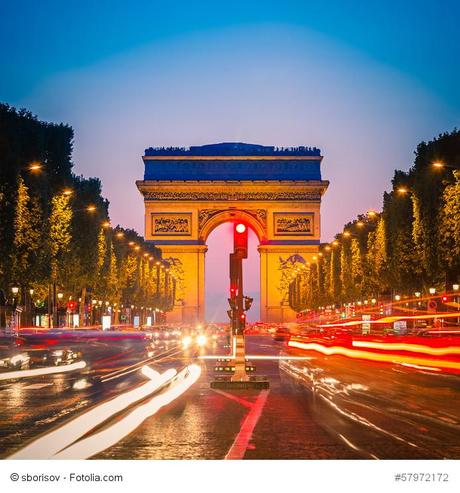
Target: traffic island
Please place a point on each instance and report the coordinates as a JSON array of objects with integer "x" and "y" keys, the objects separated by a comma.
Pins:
[{"x": 240, "y": 368}]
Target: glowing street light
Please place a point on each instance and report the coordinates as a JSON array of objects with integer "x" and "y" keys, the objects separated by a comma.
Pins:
[
  {"x": 106, "y": 224},
  {"x": 67, "y": 192},
  {"x": 35, "y": 167},
  {"x": 119, "y": 234},
  {"x": 432, "y": 290},
  {"x": 91, "y": 208},
  {"x": 15, "y": 290},
  {"x": 371, "y": 213},
  {"x": 397, "y": 297},
  {"x": 360, "y": 224},
  {"x": 60, "y": 296},
  {"x": 402, "y": 190},
  {"x": 440, "y": 165},
  {"x": 455, "y": 287},
  {"x": 346, "y": 233},
  {"x": 240, "y": 228},
  {"x": 418, "y": 294}
]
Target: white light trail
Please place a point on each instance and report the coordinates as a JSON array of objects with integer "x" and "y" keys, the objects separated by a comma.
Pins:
[
  {"x": 108, "y": 437},
  {"x": 50, "y": 444},
  {"x": 223, "y": 356},
  {"x": 49, "y": 370},
  {"x": 201, "y": 340}
]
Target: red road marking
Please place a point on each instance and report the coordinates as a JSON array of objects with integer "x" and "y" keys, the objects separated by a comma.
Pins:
[
  {"x": 241, "y": 442},
  {"x": 241, "y": 401}
]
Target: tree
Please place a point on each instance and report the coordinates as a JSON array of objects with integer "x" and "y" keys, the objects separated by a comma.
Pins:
[
  {"x": 27, "y": 235},
  {"x": 334, "y": 275},
  {"x": 60, "y": 237},
  {"x": 356, "y": 268},
  {"x": 346, "y": 275},
  {"x": 449, "y": 230}
]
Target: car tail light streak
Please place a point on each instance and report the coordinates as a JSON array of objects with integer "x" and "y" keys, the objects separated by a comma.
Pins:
[{"x": 392, "y": 356}]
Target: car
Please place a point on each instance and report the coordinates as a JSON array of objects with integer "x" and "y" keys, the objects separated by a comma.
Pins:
[{"x": 281, "y": 334}]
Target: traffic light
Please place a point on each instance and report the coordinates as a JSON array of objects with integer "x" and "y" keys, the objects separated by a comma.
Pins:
[
  {"x": 243, "y": 317},
  {"x": 232, "y": 303},
  {"x": 240, "y": 240},
  {"x": 247, "y": 302},
  {"x": 71, "y": 305},
  {"x": 444, "y": 299}
]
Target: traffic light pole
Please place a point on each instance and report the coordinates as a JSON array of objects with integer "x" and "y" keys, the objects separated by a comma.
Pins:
[
  {"x": 239, "y": 304},
  {"x": 239, "y": 318}
]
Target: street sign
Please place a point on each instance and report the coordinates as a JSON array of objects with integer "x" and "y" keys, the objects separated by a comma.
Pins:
[{"x": 432, "y": 306}]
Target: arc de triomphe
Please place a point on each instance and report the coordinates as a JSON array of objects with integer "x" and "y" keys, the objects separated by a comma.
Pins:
[{"x": 276, "y": 192}]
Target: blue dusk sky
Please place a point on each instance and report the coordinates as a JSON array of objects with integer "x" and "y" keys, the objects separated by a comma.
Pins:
[{"x": 363, "y": 81}]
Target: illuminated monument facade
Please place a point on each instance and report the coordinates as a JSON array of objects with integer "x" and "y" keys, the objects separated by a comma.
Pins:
[{"x": 276, "y": 192}]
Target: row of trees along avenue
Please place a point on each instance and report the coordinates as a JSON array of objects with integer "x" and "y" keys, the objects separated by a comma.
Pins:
[
  {"x": 58, "y": 251},
  {"x": 411, "y": 246}
]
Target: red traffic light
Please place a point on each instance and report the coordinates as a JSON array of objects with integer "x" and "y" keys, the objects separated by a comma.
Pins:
[
  {"x": 243, "y": 316},
  {"x": 240, "y": 240},
  {"x": 444, "y": 298}
]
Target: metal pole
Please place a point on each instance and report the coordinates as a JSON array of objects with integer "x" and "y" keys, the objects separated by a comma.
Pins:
[{"x": 55, "y": 313}]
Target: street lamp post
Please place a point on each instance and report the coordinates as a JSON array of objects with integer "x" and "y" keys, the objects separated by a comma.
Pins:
[
  {"x": 456, "y": 288},
  {"x": 15, "y": 317},
  {"x": 31, "y": 307}
]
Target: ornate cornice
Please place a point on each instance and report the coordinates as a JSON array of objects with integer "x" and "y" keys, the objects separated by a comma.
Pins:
[
  {"x": 232, "y": 158},
  {"x": 231, "y": 196}
]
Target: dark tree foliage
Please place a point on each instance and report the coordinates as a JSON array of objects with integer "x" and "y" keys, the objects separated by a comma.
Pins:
[
  {"x": 412, "y": 245},
  {"x": 25, "y": 141}
]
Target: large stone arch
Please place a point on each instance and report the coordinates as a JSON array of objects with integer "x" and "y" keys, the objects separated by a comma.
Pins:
[{"x": 188, "y": 193}]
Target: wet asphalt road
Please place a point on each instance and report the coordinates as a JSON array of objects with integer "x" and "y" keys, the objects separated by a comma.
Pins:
[{"x": 290, "y": 421}]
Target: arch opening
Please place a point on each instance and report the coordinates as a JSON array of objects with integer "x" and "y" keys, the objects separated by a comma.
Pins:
[
  {"x": 231, "y": 216},
  {"x": 220, "y": 244}
]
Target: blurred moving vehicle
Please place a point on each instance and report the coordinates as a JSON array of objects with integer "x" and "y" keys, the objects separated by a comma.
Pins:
[{"x": 281, "y": 334}]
